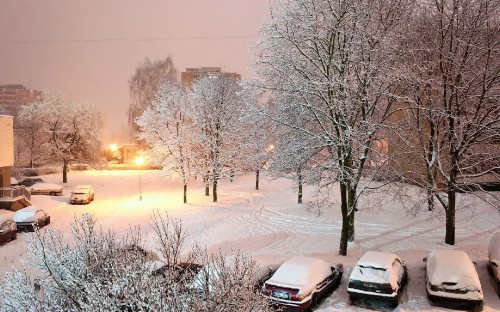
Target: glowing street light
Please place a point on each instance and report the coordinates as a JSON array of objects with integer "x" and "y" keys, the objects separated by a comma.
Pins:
[{"x": 139, "y": 161}]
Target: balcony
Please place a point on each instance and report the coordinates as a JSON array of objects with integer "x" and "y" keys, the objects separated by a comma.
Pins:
[{"x": 14, "y": 198}]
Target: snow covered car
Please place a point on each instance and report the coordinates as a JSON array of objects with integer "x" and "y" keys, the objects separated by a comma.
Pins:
[
  {"x": 46, "y": 189},
  {"x": 30, "y": 217},
  {"x": 8, "y": 230},
  {"x": 181, "y": 272},
  {"x": 301, "y": 282},
  {"x": 378, "y": 275},
  {"x": 494, "y": 258},
  {"x": 30, "y": 181},
  {"x": 82, "y": 194},
  {"x": 451, "y": 276}
]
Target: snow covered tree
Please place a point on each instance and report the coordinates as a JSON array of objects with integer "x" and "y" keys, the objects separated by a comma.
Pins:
[
  {"x": 328, "y": 63},
  {"x": 452, "y": 72},
  {"x": 220, "y": 114},
  {"x": 72, "y": 130},
  {"x": 167, "y": 128},
  {"x": 146, "y": 81},
  {"x": 98, "y": 271},
  {"x": 31, "y": 135}
]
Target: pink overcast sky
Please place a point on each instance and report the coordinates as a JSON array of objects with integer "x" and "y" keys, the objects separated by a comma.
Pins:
[{"x": 88, "y": 50}]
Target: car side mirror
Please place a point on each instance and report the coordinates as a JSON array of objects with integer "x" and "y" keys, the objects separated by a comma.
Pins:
[{"x": 475, "y": 263}]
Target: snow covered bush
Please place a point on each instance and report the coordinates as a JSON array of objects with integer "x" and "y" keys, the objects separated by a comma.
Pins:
[{"x": 98, "y": 271}]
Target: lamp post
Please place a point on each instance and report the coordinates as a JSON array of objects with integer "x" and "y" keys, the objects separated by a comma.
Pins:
[{"x": 139, "y": 161}]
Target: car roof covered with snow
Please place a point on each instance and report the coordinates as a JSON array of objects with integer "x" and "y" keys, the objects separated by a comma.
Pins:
[
  {"x": 452, "y": 267},
  {"x": 494, "y": 247},
  {"x": 45, "y": 186},
  {"x": 301, "y": 272},
  {"x": 82, "y": 188},
  {"x": 27, "y": 214},
  {"x": 376, "y": 267}
]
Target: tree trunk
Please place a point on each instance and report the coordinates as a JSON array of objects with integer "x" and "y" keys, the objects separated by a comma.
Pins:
[
  {"x": 299, "y": 177},
  {"x": 257, "y": 173},
  {"x": 450, "y": 218},
  {"x": 351, "y": 208},
  {"x": 430, "y": 200},
  {"x": 207, "y": 185},
  {"x": 185, "y": 192},
  {"x": 214, "y": 190},
  {"x": 345, "y": 220},
  {"x": 65, "y": 171}
]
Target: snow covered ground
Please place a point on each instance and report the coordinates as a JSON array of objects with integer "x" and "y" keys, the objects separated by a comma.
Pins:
[{"x": 270, "y": 226}]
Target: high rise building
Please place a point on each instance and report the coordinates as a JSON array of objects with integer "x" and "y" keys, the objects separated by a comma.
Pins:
[
  {"x": 13, "y": 96},
  {"x": 191, "y": 74}
]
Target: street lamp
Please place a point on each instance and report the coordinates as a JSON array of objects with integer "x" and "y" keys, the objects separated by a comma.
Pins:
[{"x": 139, "y": 161}]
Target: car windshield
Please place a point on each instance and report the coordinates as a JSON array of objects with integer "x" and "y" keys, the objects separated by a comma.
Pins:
[{"x": 81, "y": 191}]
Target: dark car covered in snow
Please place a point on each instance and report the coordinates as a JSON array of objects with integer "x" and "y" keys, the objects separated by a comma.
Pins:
[
  {"x": 301, "y": 282},
  {"x": 378, "y": 275}
]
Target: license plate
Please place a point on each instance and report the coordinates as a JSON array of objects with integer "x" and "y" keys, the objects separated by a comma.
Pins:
[{"x": 281, "y": 294}]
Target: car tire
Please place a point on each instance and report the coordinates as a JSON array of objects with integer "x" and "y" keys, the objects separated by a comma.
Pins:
[
  {"x": 314, "y": 302},
  {"x": 395, "y": 301}
]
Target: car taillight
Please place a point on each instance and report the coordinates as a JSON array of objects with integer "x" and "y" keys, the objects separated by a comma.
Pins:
[{"x": 298, "y": 297}]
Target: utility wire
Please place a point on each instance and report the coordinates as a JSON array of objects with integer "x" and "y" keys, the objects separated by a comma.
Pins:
[{"x": 36, "y": 41}]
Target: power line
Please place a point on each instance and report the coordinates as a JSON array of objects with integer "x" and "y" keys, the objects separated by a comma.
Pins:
[{"x": 37, "y": 41}]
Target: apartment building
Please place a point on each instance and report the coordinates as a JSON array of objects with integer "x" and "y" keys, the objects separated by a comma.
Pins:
[
  {"x": 191, "y": 74},
  {"x": 13, "y": 96}
]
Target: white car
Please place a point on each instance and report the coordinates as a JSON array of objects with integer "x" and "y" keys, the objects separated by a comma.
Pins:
[
  {"x": 30, "y": 217},
  {"x": 301, "y": 282},
  {"x": 451, "y": 276},
  {"x": 494, "y": 258},
  {"x": 46, "y": 189},
  {"x": 82, "y": 194},
  {"x": 378, "y": 275}
]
